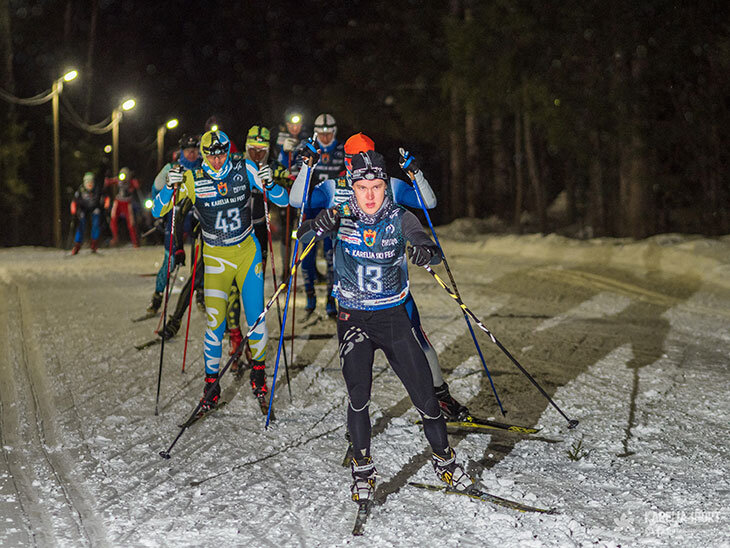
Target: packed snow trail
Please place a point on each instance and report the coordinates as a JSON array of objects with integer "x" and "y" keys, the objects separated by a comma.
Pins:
[{"x": 632, "y": 338}]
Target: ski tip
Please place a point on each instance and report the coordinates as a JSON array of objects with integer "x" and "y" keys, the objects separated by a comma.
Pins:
[
  {"x": 165, "y": 455},
  {"x": 573, "y": 423}
]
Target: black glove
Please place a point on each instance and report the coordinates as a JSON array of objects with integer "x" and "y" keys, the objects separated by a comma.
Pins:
[
  {"x": 310, "y": 155},
  {"x": 180, "y": 257},
  {"x": 422, "y": 254},
  {"x": 326, "y": 221},
  {"x": 407, "y": 162}
]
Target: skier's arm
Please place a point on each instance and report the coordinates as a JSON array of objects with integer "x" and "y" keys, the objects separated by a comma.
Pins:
[
  {"x": 414, "y": 233},
  {"x": 276, "y": 194},
  {"x": 405, "y": 194},
  {"x": 296, "y": 193},
  {"x": 325, "y": 223},
  {"x": 160, "y": 181},
  {"x": 163, "y": 201}
]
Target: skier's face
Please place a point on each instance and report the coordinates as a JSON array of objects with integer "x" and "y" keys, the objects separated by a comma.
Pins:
[
  {"x": 257, "y": 154},
  {"x": 325, "y": 138},
  {"x": 191, "y": 153},
  {"x": 369, "y": 194},
  {"x": 293, "y": 128},
  {"x": 216, "y": 161}
]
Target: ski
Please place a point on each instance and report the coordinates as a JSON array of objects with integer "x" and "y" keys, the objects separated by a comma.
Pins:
[
  {"x": 149, "y": 343},
  {"x": 473, "y": 423},
  {"x": 203, "y": 415},
  {"x": 147, "y": 316},
  {"x": 363, "y": 511},
  {"x": 477, "y": 494}
]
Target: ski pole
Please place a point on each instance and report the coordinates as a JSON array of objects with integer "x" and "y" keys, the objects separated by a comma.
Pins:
[
  {"x": 293, "y": 274},
  {"x": 572, "y": 423},
  {"x": 237, "y": 353},
  {"x": 412, "y": 177},
  {"x": 190, "y": 305},
  {"x": 167, "y": 298},
  {"x": 273, "y": 274},
  {"x": 173, "y": 277}
]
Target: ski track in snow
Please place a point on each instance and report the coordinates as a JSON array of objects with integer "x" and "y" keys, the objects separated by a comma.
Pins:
[{"x": 624, "y": 338}]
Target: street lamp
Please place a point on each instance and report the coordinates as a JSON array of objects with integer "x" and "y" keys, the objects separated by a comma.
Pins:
[
  {"x": 116, "y": 118},
  {"x": 171, "y": 124},
  {"x": 57, "y": 89}
]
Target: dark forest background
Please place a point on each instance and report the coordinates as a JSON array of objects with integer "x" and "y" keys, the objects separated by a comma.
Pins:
[{"x": 618, "y": 112}]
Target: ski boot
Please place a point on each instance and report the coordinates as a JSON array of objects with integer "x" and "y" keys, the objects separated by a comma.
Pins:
[
  {"x": 211, "y": 394},
  {"x": 450, "y": 472},
  {"x": 76, "y": 248},
  {"x": 451, "y": 409},
  {"x": 235, "y": 338},
  {"x": 331, "y": 307},
  {"x": 94, "y": 245},
  {"x": 155, "y": 303},
  {"x": 258, "y": 385},
  {"x": 172, "y": 326},
  {"x": 363, "y": 479},
  {"x": 200, "y": 300}
]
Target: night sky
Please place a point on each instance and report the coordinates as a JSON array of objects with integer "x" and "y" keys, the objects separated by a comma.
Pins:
[{"x": 391, "y": 69}]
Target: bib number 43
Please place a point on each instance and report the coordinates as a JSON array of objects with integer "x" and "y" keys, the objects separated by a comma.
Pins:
[{"x": 230, "y": 222}]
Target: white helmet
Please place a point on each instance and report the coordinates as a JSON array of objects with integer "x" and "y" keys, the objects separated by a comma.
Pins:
[{"x": 325, "y": 123}]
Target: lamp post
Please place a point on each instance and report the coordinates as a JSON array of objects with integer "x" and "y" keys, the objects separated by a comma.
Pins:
[
  {"x": 170, "y": 124},
  {"x": 116, "y": 118},
  {"x": 57, "y": 89}
]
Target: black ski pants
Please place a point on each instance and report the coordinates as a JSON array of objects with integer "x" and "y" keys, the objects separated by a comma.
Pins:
[{"x": 360, "y": 333}]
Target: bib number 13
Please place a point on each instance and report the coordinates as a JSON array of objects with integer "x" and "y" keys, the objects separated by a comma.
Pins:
[
  {"x": 231, "y": 221},
  {"x": 369, "y": 278}
]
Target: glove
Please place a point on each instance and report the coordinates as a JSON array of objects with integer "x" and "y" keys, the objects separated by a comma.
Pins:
[
  {"x": 174, "y": 177},
  {"x": 290, "y": 143},
  {"x": 180, "y": 257},
  {"x": 310, "y": 155},
  {"x": 266, "y": 177},
  {"x": 407, "y": 162},
  {"x": 422, "y": 254},
  {"x": 326, "y": 221},
  {"x": 73, "y": 208}
]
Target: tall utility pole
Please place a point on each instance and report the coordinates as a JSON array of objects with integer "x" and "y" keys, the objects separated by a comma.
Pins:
[{"x": 57, "y": 87}]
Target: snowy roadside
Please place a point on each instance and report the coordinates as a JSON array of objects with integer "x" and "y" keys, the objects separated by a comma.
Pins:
[{"x": 647, "y": 322}]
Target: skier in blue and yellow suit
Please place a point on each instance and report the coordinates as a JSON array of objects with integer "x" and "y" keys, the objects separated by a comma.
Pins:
[{"x": 220, "y": 192}]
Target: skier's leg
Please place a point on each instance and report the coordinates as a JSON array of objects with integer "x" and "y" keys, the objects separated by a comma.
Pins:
[
  {"x": 113, "y": 223},
  {"x": 409, "y": 363},
  {"x": 356, "y": 360},
  {"x": 250, "y": 279},
  {"x": 220, "y": 270},
  {"x": 95, "y": 228},
  {"x": 131, "y": 226},
  {"x": 450, "y": 407}
]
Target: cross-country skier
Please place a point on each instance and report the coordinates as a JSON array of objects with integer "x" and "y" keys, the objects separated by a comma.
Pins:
[
  {"x": 221, "y": 192},
  {"x": 188, "y": 158},
  {"x": 331, "y": 164},
  {"x": 126, "y": 186},
  {"x": 257, "y": 150},
  {"x": 87, "y": 203},
  {"x": 371, "y": 285},
  {"x": 333, "y": 192}
]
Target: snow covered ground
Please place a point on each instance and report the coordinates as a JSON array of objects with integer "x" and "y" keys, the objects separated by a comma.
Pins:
[{"x": 631, "y": 338}]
